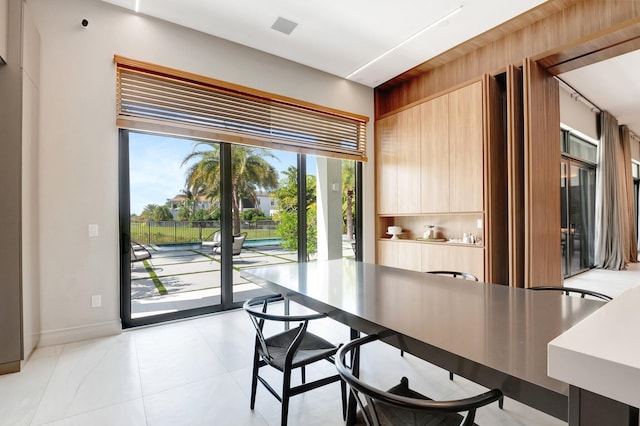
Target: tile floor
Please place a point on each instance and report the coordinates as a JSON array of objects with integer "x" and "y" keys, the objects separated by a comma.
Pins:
[{"x": 197, "y": 372}]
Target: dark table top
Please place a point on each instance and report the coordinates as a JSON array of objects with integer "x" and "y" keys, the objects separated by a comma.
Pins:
[{"x": 503, "y": 328}]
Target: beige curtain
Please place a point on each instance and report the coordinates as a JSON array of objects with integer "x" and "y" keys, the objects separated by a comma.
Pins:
[
  {"x": 631, "y": 242},
  {"x": 613, "y": 219}
]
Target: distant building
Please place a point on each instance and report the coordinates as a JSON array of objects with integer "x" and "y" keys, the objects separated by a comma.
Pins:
[
  {"x": 202, "y": 203},
  {"x": 267, "y": 203}
]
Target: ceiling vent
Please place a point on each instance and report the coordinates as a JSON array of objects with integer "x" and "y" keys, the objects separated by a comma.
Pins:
[{"x": 283, "y": 25}]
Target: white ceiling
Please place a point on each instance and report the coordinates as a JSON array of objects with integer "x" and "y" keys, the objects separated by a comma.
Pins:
[
  {"x": 338, "y": 37},
  {"x": 612, "y": 85}
]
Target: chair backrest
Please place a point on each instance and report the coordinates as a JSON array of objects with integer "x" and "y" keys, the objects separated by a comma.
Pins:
[
  {"x": 401, "y": 398},
  {"x": 238, "y": 242},
  {"x": 236, "y": 247},
  {"x": 139, "y": 252},
  {"x": 455, "y": 274},
  {"x": 572, "y": 290}
]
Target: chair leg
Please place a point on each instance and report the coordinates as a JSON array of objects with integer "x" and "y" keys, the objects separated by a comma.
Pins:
[
  {"x": 254, "y": 378},
  {"x": 304, "y": 375},
  {"x": 450, "y": 375},
  {"x": 501, "y": 402},
  {"x": 401, "y": 352},
  {"x": 343, "y": 390},
  {"x": 286, "y": 386}
]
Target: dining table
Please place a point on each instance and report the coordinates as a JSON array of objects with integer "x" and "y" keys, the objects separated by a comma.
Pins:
[{"x": 492, "y": 334}]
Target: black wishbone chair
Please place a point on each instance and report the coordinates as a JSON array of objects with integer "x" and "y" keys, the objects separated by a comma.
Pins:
[
  {"x": 401, "y": 405},
  {"x": 572, "y": 290},
  {"x": 455, "y": 274},
  {"x": 288, "y": 350}
]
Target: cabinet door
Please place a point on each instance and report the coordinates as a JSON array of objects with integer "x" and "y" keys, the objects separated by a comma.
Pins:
[
  {"x": 441, "y": 257},
  {"x": 410, "y": 256},
  {"x": 387, "y": 253},
  {"x": 386, "y": 165},
  {"x": 408, "y": 148},
  {"x": 466, "y": 177},
  {"x": 434, "y": 136}
]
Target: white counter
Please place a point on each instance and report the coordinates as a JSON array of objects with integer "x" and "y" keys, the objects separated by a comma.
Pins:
[{"x": 602, "y": 353}]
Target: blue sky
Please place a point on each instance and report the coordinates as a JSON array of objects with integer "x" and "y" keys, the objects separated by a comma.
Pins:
[{"x": 156, "y": 173}]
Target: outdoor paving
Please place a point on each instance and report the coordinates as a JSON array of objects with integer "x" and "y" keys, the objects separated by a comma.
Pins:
[{"x": 192, "y": 279}]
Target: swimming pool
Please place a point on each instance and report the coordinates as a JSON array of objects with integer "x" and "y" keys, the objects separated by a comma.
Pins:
[
  {"x": 259, "y": 242},
  {"x": 262, "y": 242}
]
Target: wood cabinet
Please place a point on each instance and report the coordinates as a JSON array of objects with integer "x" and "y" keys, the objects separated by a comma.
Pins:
[
  {"x": 387, "y": 165},
  {"x": 434, "y": 158},
  {"x": 419, "y": 256},
  {"x": 431, "y": 170},
  {"x": 408, "y": 165},
  {"x": 466, "y": 180}
]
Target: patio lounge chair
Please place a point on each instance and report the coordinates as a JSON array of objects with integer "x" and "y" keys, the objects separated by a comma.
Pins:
[
  {"x": 238, "y": 242},
  {"x": 139, "y": 252},
  {"x": 214, "y": 242}
]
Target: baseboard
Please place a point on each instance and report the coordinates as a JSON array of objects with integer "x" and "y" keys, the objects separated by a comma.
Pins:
[{"x": 76, "y": 334}]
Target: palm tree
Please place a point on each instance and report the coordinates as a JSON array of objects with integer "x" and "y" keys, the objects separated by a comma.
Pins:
[
  {"x": 188, "y": 207},
  {"x": 348, "y": 185},
  {"x": 154, "y": 212},
  {"x": 249, "y": 172}
]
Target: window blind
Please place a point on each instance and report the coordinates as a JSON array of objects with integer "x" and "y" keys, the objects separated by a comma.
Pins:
[{"x": 157, "y": 99}]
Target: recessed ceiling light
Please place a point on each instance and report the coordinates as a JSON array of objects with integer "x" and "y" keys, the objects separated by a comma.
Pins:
[{"x": 283, "y": 25}]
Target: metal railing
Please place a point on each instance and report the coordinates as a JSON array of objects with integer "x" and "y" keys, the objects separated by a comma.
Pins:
[{"x": 173, "y": 232}]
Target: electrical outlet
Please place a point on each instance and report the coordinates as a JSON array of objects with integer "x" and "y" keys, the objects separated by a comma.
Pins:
[
  {"x": 93, "y": 230},
  {"x": 96, "y": 301}
]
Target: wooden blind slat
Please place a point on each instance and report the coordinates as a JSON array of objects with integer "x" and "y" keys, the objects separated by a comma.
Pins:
[{"x": 153, "y": 97}]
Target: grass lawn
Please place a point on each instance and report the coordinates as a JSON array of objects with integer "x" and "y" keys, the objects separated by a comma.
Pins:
[{"x": 145, "y": 234}]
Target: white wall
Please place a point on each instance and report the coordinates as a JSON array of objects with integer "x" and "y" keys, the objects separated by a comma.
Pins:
[
  {"x": 577, "y": 115},
  {"x": 79, "y": 142},
  {"x": 30, "y": 183}
]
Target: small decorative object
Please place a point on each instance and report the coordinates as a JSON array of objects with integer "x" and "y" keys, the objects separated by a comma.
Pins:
[
  {"x": 429, "y": 232},
  {"x": 465, "y": 238},
  {"x": 394, "y": 231}
]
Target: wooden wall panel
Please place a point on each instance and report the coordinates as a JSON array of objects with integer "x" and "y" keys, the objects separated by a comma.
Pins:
[
  {"x": 515, "y": 176},
  {"x": 477, "y": 56},
  {"x": 541, "y": 177},
  {"x": 495, "y": 177}
]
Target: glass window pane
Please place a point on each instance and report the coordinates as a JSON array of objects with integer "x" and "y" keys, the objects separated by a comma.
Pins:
[{"x": 582, "y": 149}]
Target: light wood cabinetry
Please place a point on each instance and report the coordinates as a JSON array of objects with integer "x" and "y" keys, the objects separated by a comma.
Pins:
[
  {"x": 418, "y": 256},
  {"x": 387, "y": 165},
  {"x": 453, "y": 258},
  {"x": 466, "y": 181},
  {"x": 434, "y": 158},
  {"x": 408, "y": 161},
  {"x": 430, "y": 164}
]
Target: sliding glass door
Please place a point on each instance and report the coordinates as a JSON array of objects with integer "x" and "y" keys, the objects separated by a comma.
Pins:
[
  {"x": 194, "y": 214},
  {"x": 577, "y": 199}
]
